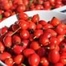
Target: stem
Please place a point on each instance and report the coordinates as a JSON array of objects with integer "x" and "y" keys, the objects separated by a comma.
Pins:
[{"x": 15, "y": 31}]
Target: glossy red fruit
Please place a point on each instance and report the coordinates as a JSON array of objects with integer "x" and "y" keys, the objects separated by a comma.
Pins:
[
  {"x": 54, "y": 40},
  {"x": 60, "y": 29},
  {"x": 42, "y": 22},
  {"x": 58, "y": 2},
  {"x": 2, "y": 48},
  {"x": 17, "y": 49},
  {"x": 35, "y": 18},
  {"x": 23, "y": 24},
  {"x": 18, "y": 59},
  {"x": 52, "y": 32},
  {"x": 47, "y": 5},
  {"x": 58, "y": 5},
  {"x": 15, "y": 27},
  {"x": 41, "y": 51},
  {"x": 47, "y": 26},
  {"x": 54, "y": 47},
  {"x": 24, "y": 34},
  {"x": 59, "y": 64},
  {"x": 23, "y": 16},
  {"x": 44, "y": 41},
  {"x": 54, "y": 56},
  {"x": 39, "y": 7},
  {"x": 9, "y": 33},
  {"x": 32, "y": 26},
  {"x": 28, "y": 51},
  {"x": 63, "y": 54},
  {"x": 25, "y": 43},
  {"x": 4, "y": 30},
  {"x": 26, "y": 2},
  {"x": 7, "y": 41},
  {"x": 9, "y": 61},
  {"x": 39, "y": 26},
  {"x": 44, "y": 61},
  {"x": 34, "y": 45},
  {"x": 5, "y": 55},
  {"x": 60, "y": 38},
  {"x": 63, "y": 59},
  {"x": 52, "y": 2},
  {"x": 21, "y": 8},
  {"x": 7, "y": 14},
  {"x": 38, "y": 33},
  {"x": 16, "y": 39},
  {"x": 7, "y": 6},
  {"x": 55, "y": 21},
  {"x": 62, "y": 25},
  {"x": 34, "y": 59},
  {"x": 18, "y": 2},
  {"x": 47, "y": 34}
]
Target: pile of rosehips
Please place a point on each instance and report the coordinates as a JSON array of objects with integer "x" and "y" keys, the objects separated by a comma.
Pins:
[
  {"x": 10, "y": 7},
  {"x": 33, "y": 42}
]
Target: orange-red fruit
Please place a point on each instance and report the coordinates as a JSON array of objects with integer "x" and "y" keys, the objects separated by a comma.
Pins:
[
  {"x": 44, "y": 61},
  {"x": 35, "y": 18},
  {"x": 54, "y": 56},
  {"x": 18, "y": 59},
  {"x": 2, "y": 48},
  {"x": 34, "y": 60},
  {"x": 9, "y": 61},
  {"x": 5, "y": 55},
  {"x": 55, "y": 21}
]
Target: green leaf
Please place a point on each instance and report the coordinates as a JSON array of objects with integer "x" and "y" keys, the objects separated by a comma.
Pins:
[
  {"x": 31, "y": 1},
  {"x": 0, "y": 16}
]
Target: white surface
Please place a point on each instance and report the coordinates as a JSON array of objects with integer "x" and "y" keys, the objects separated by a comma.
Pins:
[
  {"x": 44, "y": 15},
  {"x": 2, "y": 63},
  {"x": 60, "y": 9}
]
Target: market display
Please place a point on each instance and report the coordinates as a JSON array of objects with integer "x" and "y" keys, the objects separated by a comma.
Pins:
[{"x": 33, "y": 42}]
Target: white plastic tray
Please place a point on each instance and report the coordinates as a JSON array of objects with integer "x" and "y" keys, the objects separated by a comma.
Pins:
[
  {"x": 44, "y": 15},
  {"x": 61, "y": 9}
]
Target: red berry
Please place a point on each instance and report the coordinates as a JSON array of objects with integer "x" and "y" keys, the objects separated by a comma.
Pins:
[
  {"x": 16, "y": 39},
  {"x": 7, "y": 41},
  {"x": 34, "y": 59},
  {"x": 54, "y": 56},
  {"x": 28, "y": 51},
  {"x": 24, "y": 34},
  {"x": 5, "y": 55},
  {"x": 2, "y": 48},
  {"x": 44, "y": 61},
  {"x": 17, "y": 49},
  {"x": 35, "y": 18},
  {"x": 18, "y": 59},
  {"x": 23, "y": 24},
  {"x": 23, "y": 16},
  {"x": 9, "y": 61},
  {"x": 59, "y": 64},
  {"x": 34, "y": 45}
]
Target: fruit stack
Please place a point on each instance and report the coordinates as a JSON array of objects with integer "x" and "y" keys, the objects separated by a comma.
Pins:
[
  {"x": 31, "y": 41},
  {"x": 10, "y": 7}
]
